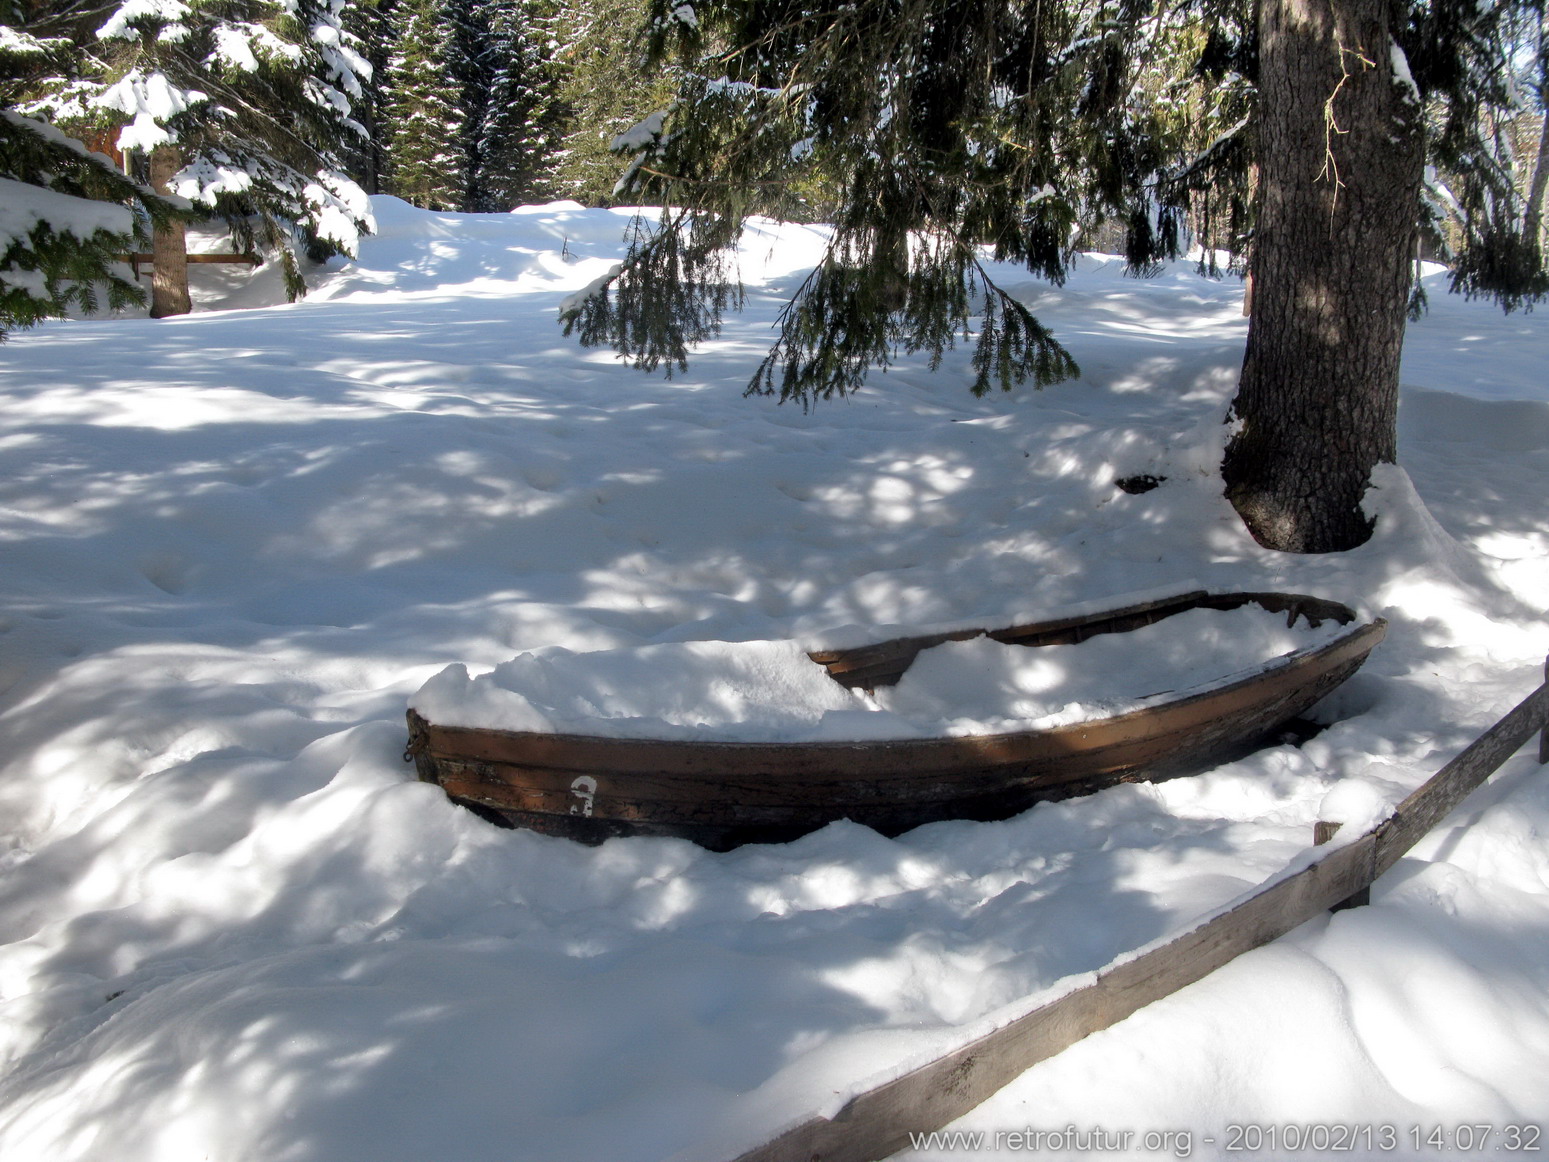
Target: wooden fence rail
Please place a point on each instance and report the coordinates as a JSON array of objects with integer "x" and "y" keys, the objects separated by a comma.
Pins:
[
  {"x": 879, "y": 1122},
  {"x": 144, "y": 263}
]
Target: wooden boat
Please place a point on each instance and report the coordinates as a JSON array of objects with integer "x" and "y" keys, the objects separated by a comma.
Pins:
[{"x": 722, "y": 794}]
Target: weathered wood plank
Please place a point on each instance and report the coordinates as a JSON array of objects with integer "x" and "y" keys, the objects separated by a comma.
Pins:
[
  {"x": 147, "y": 261},
  {"x": 882, "y": 663},
  {"x": 877, "y": 1123},
  {"x": 1323, "y": 831},
  {"x": 244, "y": 259},
  {"x": 1543, "y": 736},
  {"x": 1438, "y": 795}
]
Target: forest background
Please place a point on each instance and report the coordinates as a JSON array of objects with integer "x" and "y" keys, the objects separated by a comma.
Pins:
[
  {"x": 485, "y": 105},
  {"x": 482, "y": 105}
]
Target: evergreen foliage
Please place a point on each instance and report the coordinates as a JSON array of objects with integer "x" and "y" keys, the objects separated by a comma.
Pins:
[
  {"x": 255, "y": 95},
  {"x": 1494, "y": 210},
  {"x": 521, "y": 135},
  {"x": 371, "y": 23},
  {"x": 1200, "y": 80},
  {"x": 952, "y": 130},
  {"x": 471, "y": 114},
  {"x": 508, "y": 87},
  {"x": 426, "y": 126},
  {"x": 606, "y": 84},
  {"x": 67, "y": 216}
]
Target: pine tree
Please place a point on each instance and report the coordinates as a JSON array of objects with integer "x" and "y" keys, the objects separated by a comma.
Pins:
[
  {"x": 606, "y": 85},
  {"x": 517, "y": 132},
  {"x": 470, "y": 108},
  {"x": 252, "y": 95},
  {"x": 1317, "y": 406},
  {"x": 954, "y": 129},
  {"x": 1499, "y": 196},
  {"x": 370, "y": 23},
  {"x": 945, "y": 128},
  {"x": 67, "y": 216},
  {"x": 1537, "y": 85},
  {"x": 466, "y": 65},
  {"x": 425, "y": 126}
]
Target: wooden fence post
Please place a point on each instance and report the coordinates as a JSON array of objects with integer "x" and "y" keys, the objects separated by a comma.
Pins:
[
  {"x": 1323, "y": 831},
  {"x": 1543, "y": 738}
]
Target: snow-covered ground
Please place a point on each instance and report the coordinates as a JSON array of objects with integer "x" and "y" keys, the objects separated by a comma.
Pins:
[{"x": 235, "y": 544}]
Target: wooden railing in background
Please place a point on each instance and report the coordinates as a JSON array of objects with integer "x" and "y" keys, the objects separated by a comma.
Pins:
[
  {"x": 144, "y": 262},
  {"x": 879, "y": 1122}
]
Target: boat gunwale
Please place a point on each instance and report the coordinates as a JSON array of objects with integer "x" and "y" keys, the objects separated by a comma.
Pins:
[{"x": 569, "y": 751}]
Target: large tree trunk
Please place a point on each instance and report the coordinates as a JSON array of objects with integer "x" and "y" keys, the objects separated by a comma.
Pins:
[
  {"x": 1342, "y": 160},
  {"x": 169, "y": 244},
  {"x": 1533, "y": 216}
]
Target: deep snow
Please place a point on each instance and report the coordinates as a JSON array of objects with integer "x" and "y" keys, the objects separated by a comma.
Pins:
[
  {"x": 236, "y": 543},
  {"x": 774, "y": 692}
]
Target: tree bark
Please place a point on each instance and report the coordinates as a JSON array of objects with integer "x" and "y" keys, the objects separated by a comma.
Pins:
[
  {"x": 1342, "y": 160},
  {"x": 169, "y": 244},
  {"x": 1533, "y": 217}
]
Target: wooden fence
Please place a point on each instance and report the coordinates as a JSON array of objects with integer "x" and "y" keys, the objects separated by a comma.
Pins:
[
  {"x": 879, "y": 1122},
  {"x": 144, "y": 263}
]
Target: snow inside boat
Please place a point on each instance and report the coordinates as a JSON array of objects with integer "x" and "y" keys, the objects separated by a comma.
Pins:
[{"x": 890, "y": 769}]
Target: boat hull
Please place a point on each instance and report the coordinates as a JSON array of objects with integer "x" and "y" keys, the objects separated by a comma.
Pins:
[{"x": 721, "y": 795}]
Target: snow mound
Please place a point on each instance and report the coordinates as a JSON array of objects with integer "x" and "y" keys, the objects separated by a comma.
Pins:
[
  {"x": 731, "y": 691},
  {"x": 773, "y": 692},
  {"x": 983, "y": 687}
]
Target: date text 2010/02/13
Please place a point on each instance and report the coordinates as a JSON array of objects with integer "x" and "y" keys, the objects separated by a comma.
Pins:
[{"x": 1463, "y": 1138}]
